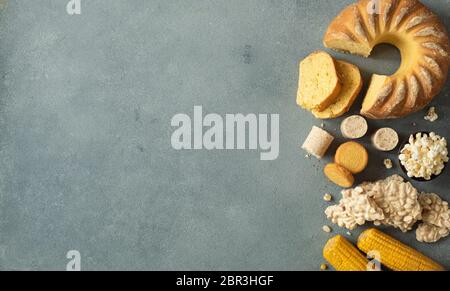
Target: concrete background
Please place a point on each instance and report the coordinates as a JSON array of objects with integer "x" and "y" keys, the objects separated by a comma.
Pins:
[{"x": 85, "y": 155}]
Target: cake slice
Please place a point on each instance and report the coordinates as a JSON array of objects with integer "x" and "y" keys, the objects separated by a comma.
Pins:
[
  {"x": 319, "y": 83},
  {"x": 380, "y": 90},
  {"x": 351, "y": 79}
]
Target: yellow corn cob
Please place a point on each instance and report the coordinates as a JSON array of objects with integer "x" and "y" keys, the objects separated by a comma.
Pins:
[
  {"x": 344, "y": 256},
  {"x": 394, "y": 254}
]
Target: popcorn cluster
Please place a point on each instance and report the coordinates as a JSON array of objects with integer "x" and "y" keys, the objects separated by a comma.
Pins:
[
  {"x": 390, "y": 202},
  {"x": 396, "y": 203},
  {"x": 399, "y": 202},
  {"x": 429, "y": 233},
  {"x": 425, "y": 155},
  {"x": 436, "y": 218},
  {"x": 355, "y": 208}
]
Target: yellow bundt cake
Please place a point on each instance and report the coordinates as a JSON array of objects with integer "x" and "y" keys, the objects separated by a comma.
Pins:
[{"x": 423, "y": 43}]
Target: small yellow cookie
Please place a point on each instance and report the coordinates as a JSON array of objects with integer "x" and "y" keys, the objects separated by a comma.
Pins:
[
  {"x": 352, "y": 156},
  {"x": 339, "y": 175}
]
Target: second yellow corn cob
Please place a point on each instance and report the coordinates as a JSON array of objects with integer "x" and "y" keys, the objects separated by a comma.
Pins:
[
  {"x": 394, "y": 254},
  {"x": 343, "y": 256}
]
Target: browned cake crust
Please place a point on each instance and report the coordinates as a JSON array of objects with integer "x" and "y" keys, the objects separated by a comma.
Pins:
[{"x": 422, "y": 40}]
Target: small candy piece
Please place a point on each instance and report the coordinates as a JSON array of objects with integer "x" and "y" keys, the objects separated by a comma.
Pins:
[
  {"x": 339, "y": 175},
  {"x": 385, "y": 139},
  {"x": 317, "y": 142},
  {"x": 354, "y": 127},
  {"x": 352, "y": 156}
]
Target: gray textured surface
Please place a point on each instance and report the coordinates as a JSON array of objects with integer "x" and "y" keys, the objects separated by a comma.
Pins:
[{"x": 85, "y": 156}]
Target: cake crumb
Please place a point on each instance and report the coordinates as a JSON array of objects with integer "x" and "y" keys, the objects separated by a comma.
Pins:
[
  {"x": 326, "y": 229},
  {"x": 388, "y": 164},
  {"x": 327, "y": 197},
  {"x": 432, "y": 115},
  {"x": 349, "y": 233}
]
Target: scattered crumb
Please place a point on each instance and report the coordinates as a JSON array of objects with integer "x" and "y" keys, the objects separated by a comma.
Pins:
[
  {"x": 322, "y": 125},
  {"x": 307, "y": 156},
  {"x": 324, "y": 267},
  {"x": 432, "y": 115},
  {"x": 349, "y": 233},
  {"x": 414, "y": 124},
  {"x": 388, "y": 164},
  {"x": 326, "y": 229},
  {"x": 327, "y": 197}
]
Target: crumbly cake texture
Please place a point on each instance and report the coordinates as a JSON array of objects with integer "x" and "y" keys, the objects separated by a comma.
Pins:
[
  {"x": 319, "y": 84},
  {"x": 350, "y": 77},
  {"x": 422, "y": 40},
  {"x": 395, "y": 203}
]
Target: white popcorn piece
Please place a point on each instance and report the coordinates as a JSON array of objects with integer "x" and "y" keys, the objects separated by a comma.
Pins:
[
  {"x": 424, "y": 156},
  {"x": 432, "y": 115}
]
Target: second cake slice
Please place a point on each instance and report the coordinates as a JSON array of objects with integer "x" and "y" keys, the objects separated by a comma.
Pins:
[{"x": 351, "y": 80}]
